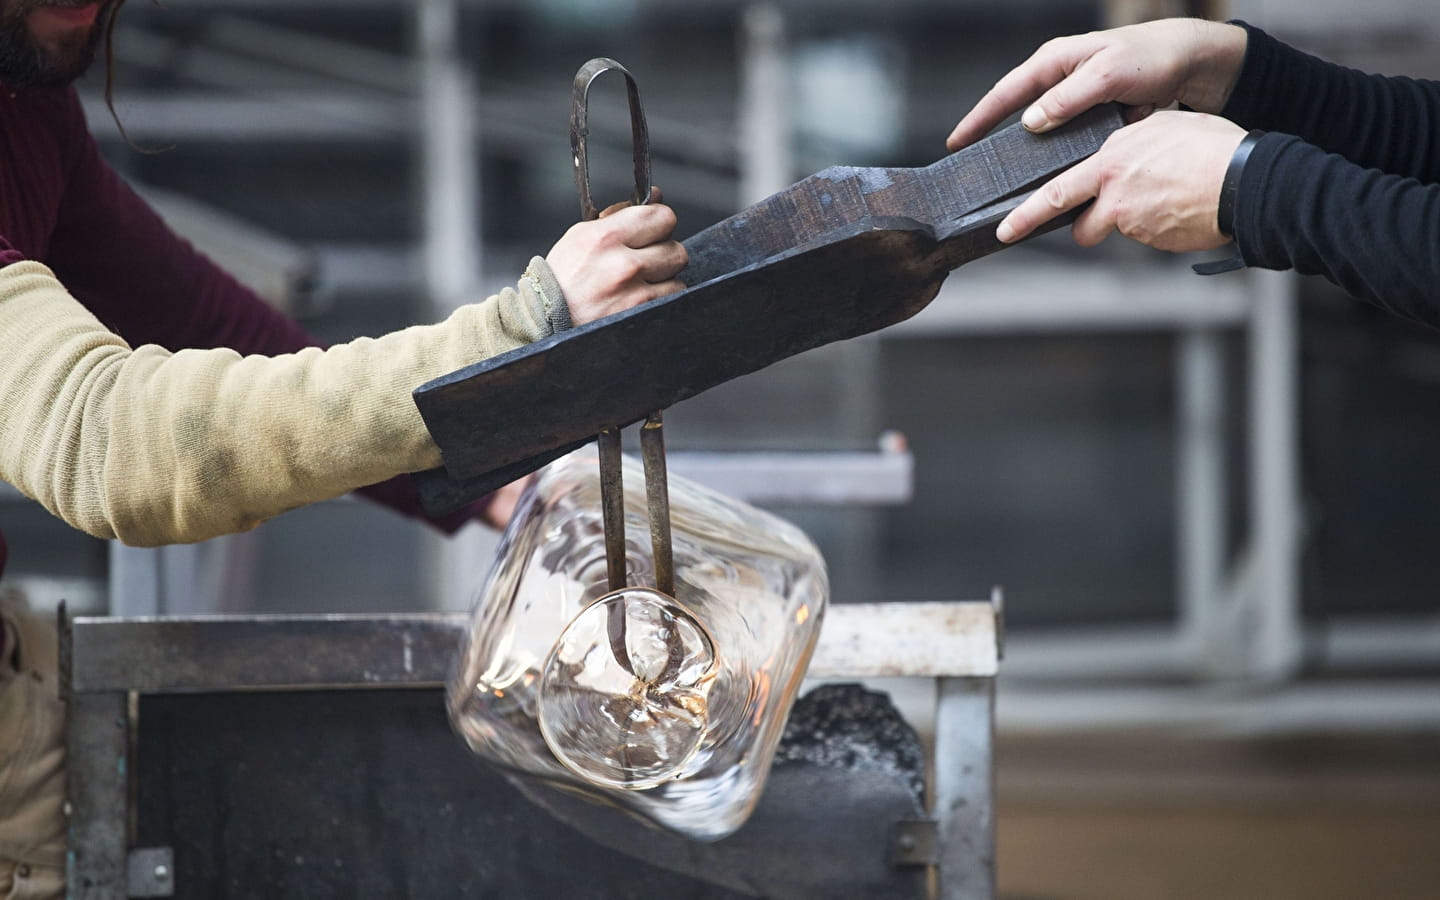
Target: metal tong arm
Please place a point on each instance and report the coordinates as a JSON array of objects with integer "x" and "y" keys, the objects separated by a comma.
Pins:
[
  {"x": 580, "y": 133},
  {"x": 652, "y": 439},
  {"x": 657, "y": 500}
]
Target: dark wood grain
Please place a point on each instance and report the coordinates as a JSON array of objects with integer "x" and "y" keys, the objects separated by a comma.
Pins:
[
  {"x": 1002, "y": 165},
  {"x": 841, "y": 253}
]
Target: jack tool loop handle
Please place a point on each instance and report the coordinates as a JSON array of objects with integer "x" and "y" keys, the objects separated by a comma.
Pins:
[{"x": 580, "y": 131}]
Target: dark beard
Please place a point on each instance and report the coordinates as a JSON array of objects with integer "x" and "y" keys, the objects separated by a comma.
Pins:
[{"x": 25, "y": 64}]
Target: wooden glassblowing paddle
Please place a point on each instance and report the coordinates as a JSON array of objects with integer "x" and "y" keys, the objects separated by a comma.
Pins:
[{"x": 844, "y": 252}]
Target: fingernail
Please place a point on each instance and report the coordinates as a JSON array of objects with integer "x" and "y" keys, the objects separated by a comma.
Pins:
[
  {"x": 1005, "y": 232},
  {"x": 1034, "y": 118}
]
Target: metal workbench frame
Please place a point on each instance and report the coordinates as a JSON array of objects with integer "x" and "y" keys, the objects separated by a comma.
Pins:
[{"x": 108, "y": 662}]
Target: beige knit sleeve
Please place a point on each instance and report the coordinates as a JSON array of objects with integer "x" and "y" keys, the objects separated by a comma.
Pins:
[{"x": 154, "y": 447}]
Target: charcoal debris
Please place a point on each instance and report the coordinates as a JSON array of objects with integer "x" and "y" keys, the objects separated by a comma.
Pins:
[{"x": 848, "y": 726}]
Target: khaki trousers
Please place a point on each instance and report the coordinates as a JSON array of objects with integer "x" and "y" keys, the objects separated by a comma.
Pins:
[{"x": 32, "y": 760}]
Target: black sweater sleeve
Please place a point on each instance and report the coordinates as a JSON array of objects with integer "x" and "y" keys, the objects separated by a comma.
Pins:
[
  {"x": 1375, "y": 235},
  {"x": 1365, "y": 215},
  {"x": 1378, "y": 122}
]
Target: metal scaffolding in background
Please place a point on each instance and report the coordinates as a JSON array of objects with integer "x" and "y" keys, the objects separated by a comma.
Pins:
[{"x": 1238, "y": 621}]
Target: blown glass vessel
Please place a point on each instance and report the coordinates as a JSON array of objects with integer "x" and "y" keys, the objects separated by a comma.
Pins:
[{"x": 670, "y": 707}]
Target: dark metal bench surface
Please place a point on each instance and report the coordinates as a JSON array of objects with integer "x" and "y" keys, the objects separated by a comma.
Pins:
[{"x": 367, "y": 794}]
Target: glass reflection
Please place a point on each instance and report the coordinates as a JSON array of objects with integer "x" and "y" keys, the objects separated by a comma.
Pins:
[{"x": 668, "y": 706}]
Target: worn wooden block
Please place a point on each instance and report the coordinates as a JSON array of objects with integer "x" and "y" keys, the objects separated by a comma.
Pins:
[{"x": 842, "y": 253}]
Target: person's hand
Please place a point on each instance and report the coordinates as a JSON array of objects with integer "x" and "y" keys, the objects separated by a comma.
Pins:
[
  {"x": 622, "y": 259},
  {"x": 501, "y": 506},
  {"x": 1146, "y": 67},
  {"x": 1156, "y": 182}
]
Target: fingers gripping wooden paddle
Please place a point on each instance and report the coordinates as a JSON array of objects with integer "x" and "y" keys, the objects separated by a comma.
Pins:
[{"x": 841, "y": 253}]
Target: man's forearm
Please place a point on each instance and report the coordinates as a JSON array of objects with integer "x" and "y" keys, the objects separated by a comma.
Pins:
[
  {"x": 1373, "y": 234},
  {"x": 1386, "y": 123},
  {"x": 153, "y": 447}
]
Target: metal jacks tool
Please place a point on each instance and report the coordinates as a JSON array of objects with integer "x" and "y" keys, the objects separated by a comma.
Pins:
[{"x": 652, "y": 438}]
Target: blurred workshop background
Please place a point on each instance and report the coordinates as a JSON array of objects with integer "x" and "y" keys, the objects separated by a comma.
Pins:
[{"x": 1212, "y": 504}]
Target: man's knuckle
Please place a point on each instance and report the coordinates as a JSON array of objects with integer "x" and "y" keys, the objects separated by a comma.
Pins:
[
  {"x": 1054, "y": 195},
  {"x": 627, "y": 268},
  {"x": 1111, "y": 167},
  {"x": 612, "y": 236},
  {"x": 1053, "y": 47}
]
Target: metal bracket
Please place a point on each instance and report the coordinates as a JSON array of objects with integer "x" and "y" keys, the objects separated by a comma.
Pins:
[
  {"x": 997, "y": 603},
  {"x": 66, "y": 649},
  {"x": 915, "y": 842},
  {"x": 150, "y": 872}
]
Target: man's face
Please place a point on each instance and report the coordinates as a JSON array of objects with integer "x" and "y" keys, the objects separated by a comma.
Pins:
[{"x": 48, "y": 42}]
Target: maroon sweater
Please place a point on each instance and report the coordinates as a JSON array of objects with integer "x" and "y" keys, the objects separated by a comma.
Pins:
[{"x": 62, "y": 204}]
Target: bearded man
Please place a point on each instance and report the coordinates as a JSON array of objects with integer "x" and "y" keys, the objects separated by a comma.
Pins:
[{"x": 146, "y": 395}]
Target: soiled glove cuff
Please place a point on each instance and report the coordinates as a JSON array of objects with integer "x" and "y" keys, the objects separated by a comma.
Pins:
[
  {"x": 542, "y": 281},
  {"x": 1230, "y": 186}
]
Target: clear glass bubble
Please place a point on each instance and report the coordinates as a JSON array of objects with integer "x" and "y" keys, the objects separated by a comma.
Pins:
[
  {"x": 668, "y": 706},
  {"x": 624, "y": 696}
]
